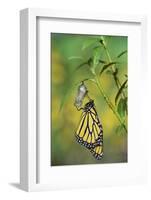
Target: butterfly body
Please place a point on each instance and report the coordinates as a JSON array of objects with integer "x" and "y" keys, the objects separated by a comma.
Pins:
[{"x": 90, "y": 132}]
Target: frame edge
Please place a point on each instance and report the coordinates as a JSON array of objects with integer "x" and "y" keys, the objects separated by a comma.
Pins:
[{"x": 24, "y": 99}]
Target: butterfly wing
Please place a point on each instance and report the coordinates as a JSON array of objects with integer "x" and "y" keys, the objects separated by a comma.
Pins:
[
  {"x": 83, "y": 134},
  {"x": 90, "y": 131},
  {"x": 97, "y": 152},
  {"x": 97, "y": 128}
]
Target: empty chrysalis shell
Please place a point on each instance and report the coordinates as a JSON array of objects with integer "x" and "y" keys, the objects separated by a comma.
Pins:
[{"x": 82, "y": 91}]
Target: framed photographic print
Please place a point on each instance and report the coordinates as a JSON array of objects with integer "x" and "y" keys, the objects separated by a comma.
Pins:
[{"x": 82, "y": 78}]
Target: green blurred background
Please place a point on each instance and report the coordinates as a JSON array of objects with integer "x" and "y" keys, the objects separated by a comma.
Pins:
[{"x": 67, "y": 52}]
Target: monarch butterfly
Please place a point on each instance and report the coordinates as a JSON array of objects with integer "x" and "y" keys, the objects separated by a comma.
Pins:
[{"x": 90, "y": 131}]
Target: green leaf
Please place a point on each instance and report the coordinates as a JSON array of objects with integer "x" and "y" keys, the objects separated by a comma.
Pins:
[
  {"x": 89, "y": 42},
  {"x": 81, "y": 65},
  {"x": 102, "y": 41},
  {"x": 75, "y": 58},
  {"x": 102, "y": 61},
  {"x": 96, "y": 55},
  {"x": 88, "y": 62},
  {"x": 122, "y": 107},
  {"x": 92, "y": 80},
  {"x": 107, "y": 66},
  {"x": 120, "y": 130},
  {"x": 122, "y": 53},
  {"x": 96, "y": 58},
  {"x": 120, "y": 91},
  {"x": 126, "y": 110},
  {"x": 87, "y": 79},
  {"x": 109, "y": 72}
]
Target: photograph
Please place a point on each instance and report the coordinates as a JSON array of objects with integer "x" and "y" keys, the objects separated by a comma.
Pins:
[{"x": 89, "y": 99}]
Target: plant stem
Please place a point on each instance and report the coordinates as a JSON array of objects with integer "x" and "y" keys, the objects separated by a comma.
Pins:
[
  {"x": 109, "y": 103},
  {"x": 116, "y": 79}
]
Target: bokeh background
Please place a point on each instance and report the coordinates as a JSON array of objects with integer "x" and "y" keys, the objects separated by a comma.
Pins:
[{"x": 68, "y": 51}]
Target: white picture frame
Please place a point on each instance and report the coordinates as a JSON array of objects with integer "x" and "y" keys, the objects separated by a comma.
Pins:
[{"x": 29, "y": 148}]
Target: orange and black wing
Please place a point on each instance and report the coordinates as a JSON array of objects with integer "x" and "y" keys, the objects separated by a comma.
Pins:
[{"x": 90, "y": 132}]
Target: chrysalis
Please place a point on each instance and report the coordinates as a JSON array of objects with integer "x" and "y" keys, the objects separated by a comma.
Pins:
[{"x": 82, "y": 92}]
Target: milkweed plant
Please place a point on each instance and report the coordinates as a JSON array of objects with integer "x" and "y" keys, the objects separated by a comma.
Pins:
[{"x": 97, "y": 66}]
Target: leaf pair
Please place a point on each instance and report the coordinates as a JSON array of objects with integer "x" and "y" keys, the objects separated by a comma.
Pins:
[
  {"x": 93, "y": 61},
  {"x": 120, "y": 130},
  {"x": 106, "y": 66},
  {"x": 110, "y": 64}
]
